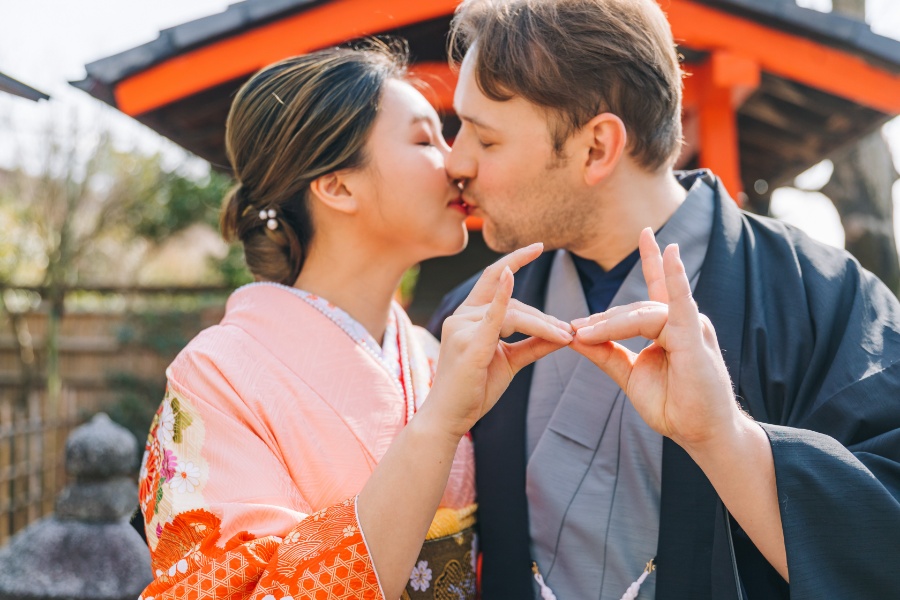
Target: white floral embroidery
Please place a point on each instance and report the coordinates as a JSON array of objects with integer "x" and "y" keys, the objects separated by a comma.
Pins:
[
  {"x": 293, "y": 537},
  {"x": 349, "y": 530},
  {"x": 186, "y": 479},
  {"x": 420, "y": 580},
  {"x": 167, "y": 423},
  {"x": 181, "y": 567}
]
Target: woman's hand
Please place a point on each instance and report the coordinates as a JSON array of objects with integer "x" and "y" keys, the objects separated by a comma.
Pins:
[
  {"x": 398, "y": 503},
  {"x": 475, "y": 365}
]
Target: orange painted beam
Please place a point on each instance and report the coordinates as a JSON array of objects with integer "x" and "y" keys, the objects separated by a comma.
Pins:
[
  {"x": 713, "y": 93},
  {"x": 734, "y": 71},
  {"x": 245, "y": 53},
  {"x": 474, "y": 223},
  {"x": 695, "y": 25},
  {"x": 719, "y": 149},
  {"x": 796, "y": 58},
  {"x": 690, "y": 94},
  {"x": 739, "y": 73}
]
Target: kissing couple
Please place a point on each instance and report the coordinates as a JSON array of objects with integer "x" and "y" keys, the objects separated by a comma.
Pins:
[{"x": 601, "y": 419}]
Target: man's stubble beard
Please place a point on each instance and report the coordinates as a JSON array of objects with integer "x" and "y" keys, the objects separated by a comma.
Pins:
[{"x": 558, "y": 222}]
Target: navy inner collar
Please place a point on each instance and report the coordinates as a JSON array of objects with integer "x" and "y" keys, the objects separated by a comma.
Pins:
[{"x": 600, "y": 286}]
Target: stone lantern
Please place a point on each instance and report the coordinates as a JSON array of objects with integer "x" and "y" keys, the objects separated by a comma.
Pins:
[{"x": 86, "y": 549}]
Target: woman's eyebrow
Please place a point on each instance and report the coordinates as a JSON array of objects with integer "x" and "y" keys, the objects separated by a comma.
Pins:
[{"x": 423, "y": 118}]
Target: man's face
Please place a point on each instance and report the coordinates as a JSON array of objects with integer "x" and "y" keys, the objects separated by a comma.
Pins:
[{"x": 513, "y": 178}]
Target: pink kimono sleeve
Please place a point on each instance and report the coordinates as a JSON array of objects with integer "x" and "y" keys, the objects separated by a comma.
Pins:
[{"x": 224, "y": 520}]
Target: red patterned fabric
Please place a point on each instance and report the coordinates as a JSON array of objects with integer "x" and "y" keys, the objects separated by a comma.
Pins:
[{"x": 324, "y": 556}]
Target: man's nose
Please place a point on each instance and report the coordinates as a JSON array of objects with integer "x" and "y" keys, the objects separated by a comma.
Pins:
[{"x": 460, "y": 162}]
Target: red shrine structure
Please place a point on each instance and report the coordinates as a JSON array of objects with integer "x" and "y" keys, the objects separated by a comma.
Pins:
[{"x": 773, "y": 88}]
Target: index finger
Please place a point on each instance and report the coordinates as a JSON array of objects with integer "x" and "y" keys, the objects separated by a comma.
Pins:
[
  {"x": 652, "y": 266},
  {"x": 517, "y": 259},
  {"x": 486, "y": 284}
]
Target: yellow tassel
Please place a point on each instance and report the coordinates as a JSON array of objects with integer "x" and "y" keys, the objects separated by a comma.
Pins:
[{"x": 448, "y": 521}]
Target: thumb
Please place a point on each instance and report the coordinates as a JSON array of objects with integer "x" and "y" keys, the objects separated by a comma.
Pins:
[
  {"x": 613, "y": 359},
  {"x": 523, "y": 353}
]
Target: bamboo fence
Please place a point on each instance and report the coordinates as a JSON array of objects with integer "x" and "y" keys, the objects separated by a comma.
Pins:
[{"x": 33, "y": 432}]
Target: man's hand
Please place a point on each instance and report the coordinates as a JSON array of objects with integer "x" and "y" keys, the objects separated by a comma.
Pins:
[
  {"x": 680, "y": 387},
  {"x": 678, "y": 384}
]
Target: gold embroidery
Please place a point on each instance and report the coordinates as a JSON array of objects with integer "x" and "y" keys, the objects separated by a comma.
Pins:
[
  {"x": 450, "y": 560},
  {"x": 454, "y": 583}
]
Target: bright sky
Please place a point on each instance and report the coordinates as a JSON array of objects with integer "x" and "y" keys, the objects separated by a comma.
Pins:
[{"x": 46, "y": 43}]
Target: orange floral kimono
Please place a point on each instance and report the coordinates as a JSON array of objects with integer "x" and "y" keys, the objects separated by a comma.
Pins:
[{"x": 272, "y": 422}]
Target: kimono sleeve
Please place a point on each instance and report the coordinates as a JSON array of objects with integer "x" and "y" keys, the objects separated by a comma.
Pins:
[
  {"x": 840, "y": 506},
  {"x": 837, "y": 453},
  {"x": 224, "y": 520}
]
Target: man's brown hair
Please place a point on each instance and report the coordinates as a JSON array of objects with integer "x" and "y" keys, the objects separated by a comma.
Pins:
[{"x": 580, "y": 58}]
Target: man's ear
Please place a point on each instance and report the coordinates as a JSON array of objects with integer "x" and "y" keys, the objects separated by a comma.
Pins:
[
  {"x": 606, "y": 140},
  {"x": 333, "y": 191}
]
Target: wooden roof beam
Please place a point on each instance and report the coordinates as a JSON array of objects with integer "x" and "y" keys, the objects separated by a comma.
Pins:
[
  {"x": 792, "y": 57},
  {"x": 718, "y": 88}
]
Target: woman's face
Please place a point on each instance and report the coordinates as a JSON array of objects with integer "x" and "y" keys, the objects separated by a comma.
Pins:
[{"x": 408, "y": 203}]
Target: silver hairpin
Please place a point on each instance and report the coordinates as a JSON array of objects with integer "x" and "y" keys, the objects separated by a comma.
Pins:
[{"x": 269, "y": 217}]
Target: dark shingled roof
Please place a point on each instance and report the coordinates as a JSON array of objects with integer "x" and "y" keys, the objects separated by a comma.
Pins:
[
  {"x": 104, "y": 73},
  {"x": 834, "y": 29},
  {"x": 17, "y": 88},
  {"x": 837, "y": 30}
]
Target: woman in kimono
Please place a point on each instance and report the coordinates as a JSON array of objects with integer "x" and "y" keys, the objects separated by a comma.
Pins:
[{"x": 295, "y": 454}]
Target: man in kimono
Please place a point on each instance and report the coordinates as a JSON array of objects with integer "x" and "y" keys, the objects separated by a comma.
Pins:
[{"x": 570, "y": 115}]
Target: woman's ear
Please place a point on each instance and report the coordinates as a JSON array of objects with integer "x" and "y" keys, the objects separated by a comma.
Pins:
[
  {"x": 333, "y": 191},
  {"x": 606, "y": 141}
]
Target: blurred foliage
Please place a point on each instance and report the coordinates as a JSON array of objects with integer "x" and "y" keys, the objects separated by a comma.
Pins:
[
  {"x": 178, "y": 203},
  {"x": 95, "y": 214},
  {"x": 233, "y": 269},
  {"x": 138, "y": 400},
  {"x": 163, "y": 333},
  {"x": 89, "y": 213},
  {"x": 407, "y": 289}
]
